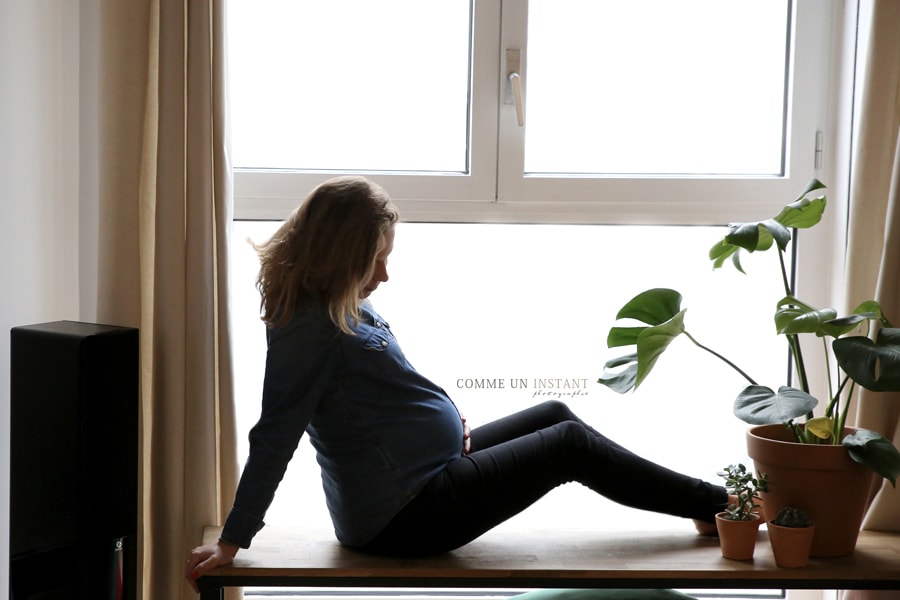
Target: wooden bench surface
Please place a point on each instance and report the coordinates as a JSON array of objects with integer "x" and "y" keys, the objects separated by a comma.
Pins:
[{"x": 550, "y": 559}]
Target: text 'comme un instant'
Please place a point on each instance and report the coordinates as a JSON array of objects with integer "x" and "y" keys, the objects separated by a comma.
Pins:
[{"x": 550, "y": 387}]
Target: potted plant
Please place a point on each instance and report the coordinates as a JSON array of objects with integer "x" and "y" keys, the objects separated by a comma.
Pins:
[
  {"x": 791, "y": 536},
  {"x": 864, "y": 351},
  {"x": 738, "y": 524}
]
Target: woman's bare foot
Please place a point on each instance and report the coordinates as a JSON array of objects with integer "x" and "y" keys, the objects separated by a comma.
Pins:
[
  {"x": 705, "y": 528},
  {"x": 708, "y": 529}
]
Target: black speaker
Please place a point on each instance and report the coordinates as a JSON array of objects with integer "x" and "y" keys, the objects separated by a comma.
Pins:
[{"x": 73, "y": 461}]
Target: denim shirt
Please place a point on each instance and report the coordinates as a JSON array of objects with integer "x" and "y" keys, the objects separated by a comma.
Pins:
[{"x": 381, "y": 430}]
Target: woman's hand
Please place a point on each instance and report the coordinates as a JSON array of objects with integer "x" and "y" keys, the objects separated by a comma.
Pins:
[
  {"x": 206, "y": 558},
  {"x": 467, "y": 442}
]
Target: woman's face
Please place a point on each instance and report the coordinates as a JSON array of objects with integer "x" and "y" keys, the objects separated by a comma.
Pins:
[{"x": 380, "y": 274}]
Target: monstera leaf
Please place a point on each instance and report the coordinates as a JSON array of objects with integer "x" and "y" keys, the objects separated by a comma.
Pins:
[
  {"x": 820, "y": 427},
  {"x": 759, "y": 236},
  {"x": 875, "y": 452},
  {"x": 759, "y": 405},
  {"x": 793, "y": 316},
  {"x": 660, "y": 311},
  {"x": 873, "y": 365}
]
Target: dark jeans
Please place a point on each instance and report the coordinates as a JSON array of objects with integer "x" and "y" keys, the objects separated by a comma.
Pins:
[{"x": 515, "y": 461}]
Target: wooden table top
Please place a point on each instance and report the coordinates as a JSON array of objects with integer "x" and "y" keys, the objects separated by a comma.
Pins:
[{"x": 553, "y": 559}]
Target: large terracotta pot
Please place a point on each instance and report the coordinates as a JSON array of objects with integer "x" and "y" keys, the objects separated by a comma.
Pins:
[{"x": 820, "y": 479}]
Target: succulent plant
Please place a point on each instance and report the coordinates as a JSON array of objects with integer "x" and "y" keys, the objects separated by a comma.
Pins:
[
  {"x": 740, "y": 483},
  {"x": 789, "y": 516}
]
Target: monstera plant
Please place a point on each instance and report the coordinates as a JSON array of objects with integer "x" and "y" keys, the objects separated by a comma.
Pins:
[{"x": 864, "y": 348}]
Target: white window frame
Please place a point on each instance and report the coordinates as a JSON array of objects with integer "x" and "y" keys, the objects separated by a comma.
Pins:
[
  {"x": 686, "y": 200},
  {"x": 273, "y": 194},
  {"x": 495, "y": 189}
]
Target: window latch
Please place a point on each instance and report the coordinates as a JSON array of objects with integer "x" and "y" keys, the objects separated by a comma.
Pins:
[
  {"x": 514, "y": 85},
  {"x": 820, "y": 150}
]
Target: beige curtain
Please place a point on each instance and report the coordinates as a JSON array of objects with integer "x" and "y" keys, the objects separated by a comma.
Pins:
[
  {"x": 165, "y": 216},
  {"x": 873, "y": 268}
]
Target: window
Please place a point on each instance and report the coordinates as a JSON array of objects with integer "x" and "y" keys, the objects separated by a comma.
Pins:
[
  {"x": 649, "y": 112},
  {"x": 364, "y": 102},
  {"x": 494, "y": 323},
  {"x": 507, "y": 224},
  {"x": 499, "y": 325},
  {"x": 700, "y": 99}
]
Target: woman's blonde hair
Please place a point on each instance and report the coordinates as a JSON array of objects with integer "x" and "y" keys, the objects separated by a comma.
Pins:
[{"x": 325, "y": 251}]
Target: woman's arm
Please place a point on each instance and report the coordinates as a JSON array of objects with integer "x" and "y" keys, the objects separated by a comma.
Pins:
[{"x": 301, "y": 362}]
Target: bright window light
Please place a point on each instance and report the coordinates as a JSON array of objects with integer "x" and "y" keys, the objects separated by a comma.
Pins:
[
  {"x": 699, "y": 88},
  {"x": 350, "y": 84},
  {"x": 501, "y": 315}
]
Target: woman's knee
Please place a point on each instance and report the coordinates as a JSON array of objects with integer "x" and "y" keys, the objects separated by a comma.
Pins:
[
  {"x": 560, "y": 410},
  {"x": 570, "y": 440}
]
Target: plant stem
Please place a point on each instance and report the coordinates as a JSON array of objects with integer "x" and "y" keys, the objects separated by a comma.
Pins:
[
  {"x": 795, "y": 429},
  {"x": 794, "y": 345},
  {"x": 784, "y": 278},
  {"x": 834, "y": 410},
  {"x": 835, "y": 398},
  {"x": 842, "y": 418},
  {"x": 720, "y": 357},
  {"x": 793, "y": 342}
]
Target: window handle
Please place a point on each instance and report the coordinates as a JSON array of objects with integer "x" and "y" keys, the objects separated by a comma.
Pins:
[{"x": 514, "y": 90}]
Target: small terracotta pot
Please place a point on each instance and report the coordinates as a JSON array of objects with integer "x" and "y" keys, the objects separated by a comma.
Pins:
[
  {"x": 790, "y": 545},
  {"x": 737, "y": 538}
]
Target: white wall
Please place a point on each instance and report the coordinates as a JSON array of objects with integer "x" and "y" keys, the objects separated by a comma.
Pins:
[{"x": 39, "y": 187}]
